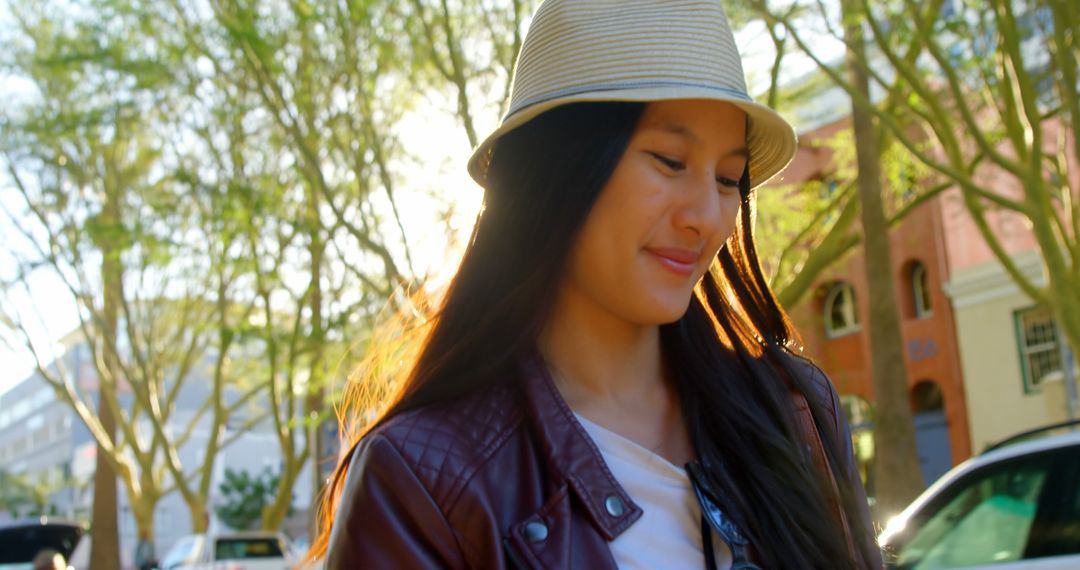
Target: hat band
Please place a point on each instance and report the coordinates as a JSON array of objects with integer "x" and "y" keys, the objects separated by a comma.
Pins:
[{"x": 578, "y": 90}]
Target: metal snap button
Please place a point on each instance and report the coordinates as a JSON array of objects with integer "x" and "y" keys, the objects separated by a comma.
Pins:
[
  {"x": 614, "y": 506},
  {"x": 536, "y": 531}
]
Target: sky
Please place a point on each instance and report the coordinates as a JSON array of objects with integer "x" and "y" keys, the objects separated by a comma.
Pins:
[{"x": 431, "y": 132}]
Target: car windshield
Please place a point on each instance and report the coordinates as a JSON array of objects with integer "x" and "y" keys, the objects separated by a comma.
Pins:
[
  {"x": 993, "y": 516},
  {"x": 247, "y": 548}
]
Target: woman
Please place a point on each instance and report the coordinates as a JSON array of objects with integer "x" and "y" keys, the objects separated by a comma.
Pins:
[{"x": 608, "y": 382}]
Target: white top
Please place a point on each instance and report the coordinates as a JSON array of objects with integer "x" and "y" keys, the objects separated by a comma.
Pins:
[{"x": 668, "y": 534}]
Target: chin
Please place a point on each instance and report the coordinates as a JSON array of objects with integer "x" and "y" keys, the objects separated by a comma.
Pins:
[{"x": 666, "y": 313}]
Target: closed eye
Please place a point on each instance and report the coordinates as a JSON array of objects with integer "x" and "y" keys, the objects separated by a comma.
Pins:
[
  {"x": 669, "y": 163},
  {"x": 727, "y": 182},
  {"x": 675, "y": 165}
]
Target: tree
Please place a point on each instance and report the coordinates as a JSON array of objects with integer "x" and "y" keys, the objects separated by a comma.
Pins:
[
  {"x": 328, "y": 85},
  {"x": 16, "y": 495},
  {"x": 327, "y": 106},
  {"x": 494, "y": 30},
  {"x": 969, "y": 99},
  {"x": 242, "y": 497},
  {"x": 55, "y": 87},
  {"x": 262, "y": 203},
  {"x": 897, "y": 477},
  {"x": 25, "y": 495},
  {"x": 101, "y": 214},
  {"x": 992, "y": 108},
  {"x": 805, "y": 227}
]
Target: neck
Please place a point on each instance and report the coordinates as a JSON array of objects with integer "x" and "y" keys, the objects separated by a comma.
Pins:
[
  {"x": 613, "y": 373},
  {"x": 599, "y": 359}
]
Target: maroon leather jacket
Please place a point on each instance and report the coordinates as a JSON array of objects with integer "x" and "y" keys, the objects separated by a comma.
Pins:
[{"x": 499, "y": 480}]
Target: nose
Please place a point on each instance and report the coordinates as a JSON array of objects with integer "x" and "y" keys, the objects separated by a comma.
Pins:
[{"x": 699, "y": 209}]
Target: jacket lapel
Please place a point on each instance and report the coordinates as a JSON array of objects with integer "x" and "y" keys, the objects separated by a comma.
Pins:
[
  {"x": 573, "y": 457},
  {"x": 587, "y": 507}
]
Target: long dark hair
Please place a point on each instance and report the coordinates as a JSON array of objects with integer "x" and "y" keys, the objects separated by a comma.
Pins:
[{"x": 735, "y": 370}]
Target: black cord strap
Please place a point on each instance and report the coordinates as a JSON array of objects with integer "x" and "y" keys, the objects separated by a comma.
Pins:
[{"x": 707, "y": 545}]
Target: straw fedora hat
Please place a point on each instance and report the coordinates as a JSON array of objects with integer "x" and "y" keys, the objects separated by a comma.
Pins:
[{"x": 636, "y": 50}]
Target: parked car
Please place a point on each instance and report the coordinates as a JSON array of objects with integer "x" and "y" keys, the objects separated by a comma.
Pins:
[
  {"x": 24, "y": 542},
  {"x": 1016, "y": 505},
  {"x": 254, "y": 550}
]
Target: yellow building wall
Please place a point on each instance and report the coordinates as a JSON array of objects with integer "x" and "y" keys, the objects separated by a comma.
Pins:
[{"x": 998, "y": 406}]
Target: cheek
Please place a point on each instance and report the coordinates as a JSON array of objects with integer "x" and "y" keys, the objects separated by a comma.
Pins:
[
  {"x": 730, "y": 211},
  {"x": 628, "y": 209}
]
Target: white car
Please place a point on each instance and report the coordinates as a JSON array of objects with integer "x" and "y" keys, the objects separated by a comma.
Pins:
[
  {"x": 1015, "y": 506},
  {"x": 255, "y": 550}
]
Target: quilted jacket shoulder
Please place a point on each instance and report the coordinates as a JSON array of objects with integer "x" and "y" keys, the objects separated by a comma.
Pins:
[{"x": 446, "y": 444}]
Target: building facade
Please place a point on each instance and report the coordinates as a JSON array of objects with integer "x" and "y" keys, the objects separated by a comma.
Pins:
[
  {"x": 833, "y": 320},
  {"x": 983, "y": 361}
]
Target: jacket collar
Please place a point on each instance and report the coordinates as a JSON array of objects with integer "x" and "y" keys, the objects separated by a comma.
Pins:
[{"x": 571, "y": 454}]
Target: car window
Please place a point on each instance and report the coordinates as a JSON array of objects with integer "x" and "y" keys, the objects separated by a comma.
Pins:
[
  {"x": 247, "y": 548},
  {"x": 989, "y": 515},
  {"x": 1057, "y": 528}
]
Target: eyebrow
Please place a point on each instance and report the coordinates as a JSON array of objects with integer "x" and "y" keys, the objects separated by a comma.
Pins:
[{"x": 683, "y": 131}]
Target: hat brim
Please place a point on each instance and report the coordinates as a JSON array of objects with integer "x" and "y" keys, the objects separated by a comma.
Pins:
[{"x": 771, "y": 141}]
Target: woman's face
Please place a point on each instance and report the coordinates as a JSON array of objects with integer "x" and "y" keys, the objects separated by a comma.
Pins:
[{"x": 660, "y": 220}]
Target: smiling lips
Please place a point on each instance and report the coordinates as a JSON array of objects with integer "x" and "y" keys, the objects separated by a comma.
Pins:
[{"x": 679, "y": 261}]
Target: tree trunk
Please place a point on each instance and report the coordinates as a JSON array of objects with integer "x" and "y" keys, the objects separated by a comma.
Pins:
[
  {"x": 897, "y": 477},
  {"x": 200, "y": 516},
  {"x": 274, "y": 514},
  {"x": 105, "y": 532},
  {"x": 316, "y": 447},
  {"x": 143, "y": 511},
  {"x": 316, "y": 394}
]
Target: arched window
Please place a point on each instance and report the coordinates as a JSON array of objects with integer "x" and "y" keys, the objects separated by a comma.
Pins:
[
  {"x": 926, "y": 396},
  {"x": 920, "y": 291},
  {"x": 841, "y": 315}
]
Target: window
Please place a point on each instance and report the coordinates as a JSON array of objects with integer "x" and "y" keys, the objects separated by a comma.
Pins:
[
  {"x": 1018, "y": 509},
  {"x": 42, "y": 397},
  {"x": 916, "y": 301},
  {"x": 19, "y": 411},
  {"x": 1040, "y": 351},
  {"x": 39, "y": 438},
  {"x": 920, "y": 292},
  {"x": 841, "y": 315},
  {"x": 247, "y": 548}
]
